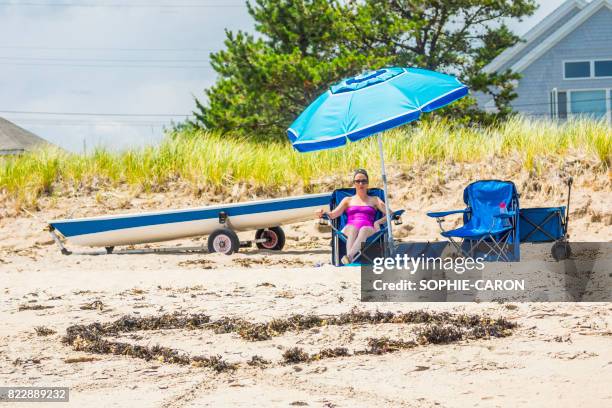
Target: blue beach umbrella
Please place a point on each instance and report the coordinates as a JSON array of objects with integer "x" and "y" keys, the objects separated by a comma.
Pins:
[{"x": 370, "y": 103}]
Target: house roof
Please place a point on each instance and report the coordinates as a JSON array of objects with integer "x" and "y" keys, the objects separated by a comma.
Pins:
[
  {"x": 14, "y": 139},
  {"x": 534, "y": 33},
  {"x": 561, "y": 33}
]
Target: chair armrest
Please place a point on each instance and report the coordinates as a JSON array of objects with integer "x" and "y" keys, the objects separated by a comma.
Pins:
[
  {"x": 326, "y": 220},
  {"x": 397, "y": 217},
  {"x": 441, "y": 214}
]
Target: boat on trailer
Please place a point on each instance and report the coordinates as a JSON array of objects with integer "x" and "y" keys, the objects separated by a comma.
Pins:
[{"x": 219, "y": 222}]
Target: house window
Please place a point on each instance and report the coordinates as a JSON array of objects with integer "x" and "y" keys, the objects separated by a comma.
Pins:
[
  {"x": 581, "y": 69},
  {"x": 589, "y": 103},
  {"x": 587, "y": 69},
  {"x": 603, "y": 68},
  {"x": 595, "y": 104}
]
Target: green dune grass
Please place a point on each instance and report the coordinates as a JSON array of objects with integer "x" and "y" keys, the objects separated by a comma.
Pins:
[{"x": 205, "y": 159}]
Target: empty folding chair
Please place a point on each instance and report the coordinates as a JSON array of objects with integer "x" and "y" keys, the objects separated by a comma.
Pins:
[{"x": 490, "y": 221}]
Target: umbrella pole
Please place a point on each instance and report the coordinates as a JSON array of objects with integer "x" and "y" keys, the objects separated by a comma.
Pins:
[{"x": 388, "y": 210}]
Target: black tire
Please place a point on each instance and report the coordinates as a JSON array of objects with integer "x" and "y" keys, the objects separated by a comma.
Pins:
[
  {"x": 561, "y": 250},
  {"x": 276, "y": 238},
  {"x": 109, "y": 249},
  {"x": 223, "y": 240}
]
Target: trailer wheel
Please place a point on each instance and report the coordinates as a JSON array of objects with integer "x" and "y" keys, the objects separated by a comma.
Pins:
[
  {"x": 561, "y": 250},
  {"x": 223, "y": 240},
  {"x": 275, "y": 238}
]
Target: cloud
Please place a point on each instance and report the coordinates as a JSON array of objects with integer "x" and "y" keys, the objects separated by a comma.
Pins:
[{"x": 45, "y": 37}]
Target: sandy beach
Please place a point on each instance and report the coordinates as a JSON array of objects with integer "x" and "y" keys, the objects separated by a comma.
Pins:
[
  {"x": 127, "y": 123},
  {"x": 559, "y": 354}
]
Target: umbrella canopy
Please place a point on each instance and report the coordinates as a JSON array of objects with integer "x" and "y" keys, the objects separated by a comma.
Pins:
[
  {"x": 368, "y": 104},
  {"x": 371, "y": 103}
]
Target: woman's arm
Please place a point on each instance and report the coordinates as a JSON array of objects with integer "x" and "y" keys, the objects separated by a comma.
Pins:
[
  {"x": 339, "y": 209},
  {"x": 336, "y": 211},
  {"x": 380, "y": 205}
]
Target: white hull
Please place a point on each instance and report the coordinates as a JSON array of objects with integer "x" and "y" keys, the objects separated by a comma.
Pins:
[
  {"x": 169, "y": 232},
  {"x": 176, "y": 230}
]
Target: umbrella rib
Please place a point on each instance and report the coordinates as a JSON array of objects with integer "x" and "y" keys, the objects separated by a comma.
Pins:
[{"x": 348, "y": 113}]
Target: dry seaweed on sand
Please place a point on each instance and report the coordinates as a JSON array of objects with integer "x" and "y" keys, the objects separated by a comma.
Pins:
[
  {"x": 295, "y": 355},
  {"x": 227, "y": 325},
  {"x": 439, "y": 334},
  {"x": 480, "y": 325},
  {"x": 89, "y": 338},
  {"x": 204, "y": 263},
  {"x": 500, "y": 328},
  {"x": 330, "y": 353},
  {"x": 258, "y": 361},
  {"x": 385, "y": 345},
  {"x": 95, "y": 305},
  {"x": 44, "y": 331},
  {"x": 34, "y": 307},
  {"x": 165, "y": 321},
  {"x": 128, "y": 323},
  {"x": 215, "y": 362},
  {"x": 433, "y": 328},
  {"x": 94, "y": 343},
  {"x": 471, "y": 327}
]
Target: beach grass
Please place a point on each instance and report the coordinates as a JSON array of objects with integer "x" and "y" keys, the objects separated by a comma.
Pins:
[{"x": 209, "y": 160}]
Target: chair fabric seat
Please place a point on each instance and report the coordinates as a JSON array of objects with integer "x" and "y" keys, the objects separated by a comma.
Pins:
[
  {"x": 466, "y": 232},
  {"x": 375, "y": 236}
]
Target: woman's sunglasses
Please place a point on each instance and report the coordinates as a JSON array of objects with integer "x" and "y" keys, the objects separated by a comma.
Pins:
[{"x": 363, "y": 181}]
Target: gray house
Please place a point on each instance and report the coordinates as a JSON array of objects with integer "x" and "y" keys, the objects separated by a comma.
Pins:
[
  {"x": 16, "y": 140},
  {"x": 565, "y": 62}
]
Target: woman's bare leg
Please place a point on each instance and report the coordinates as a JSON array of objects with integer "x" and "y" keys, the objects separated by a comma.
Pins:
[
  {"x": 351, "y": 235},
  {"x": 364, "y": 233}
]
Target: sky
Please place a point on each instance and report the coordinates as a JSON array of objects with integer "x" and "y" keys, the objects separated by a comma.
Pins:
[{"x": 136, "y": 64}]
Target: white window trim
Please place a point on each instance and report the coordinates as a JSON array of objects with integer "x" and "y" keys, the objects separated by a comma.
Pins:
[
  {"x": 591, "y": 68},
  {"x": 554, "y": 94},
  {"x": 608, "y": 99}
]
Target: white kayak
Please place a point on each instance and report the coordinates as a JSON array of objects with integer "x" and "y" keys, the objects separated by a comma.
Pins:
[{"x": 221, "y": 220}]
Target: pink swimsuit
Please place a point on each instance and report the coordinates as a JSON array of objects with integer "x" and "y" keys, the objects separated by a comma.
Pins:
[{"x": 360, "y": 216}]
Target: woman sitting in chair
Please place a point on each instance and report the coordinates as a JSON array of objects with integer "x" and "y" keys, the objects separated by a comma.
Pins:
[{"x": 361, "y": 211}]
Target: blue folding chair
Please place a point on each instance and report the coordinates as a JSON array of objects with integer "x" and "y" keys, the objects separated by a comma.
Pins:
[
  {"x": 376, "y": 245},
  {"x": 488, "y": 231}
]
